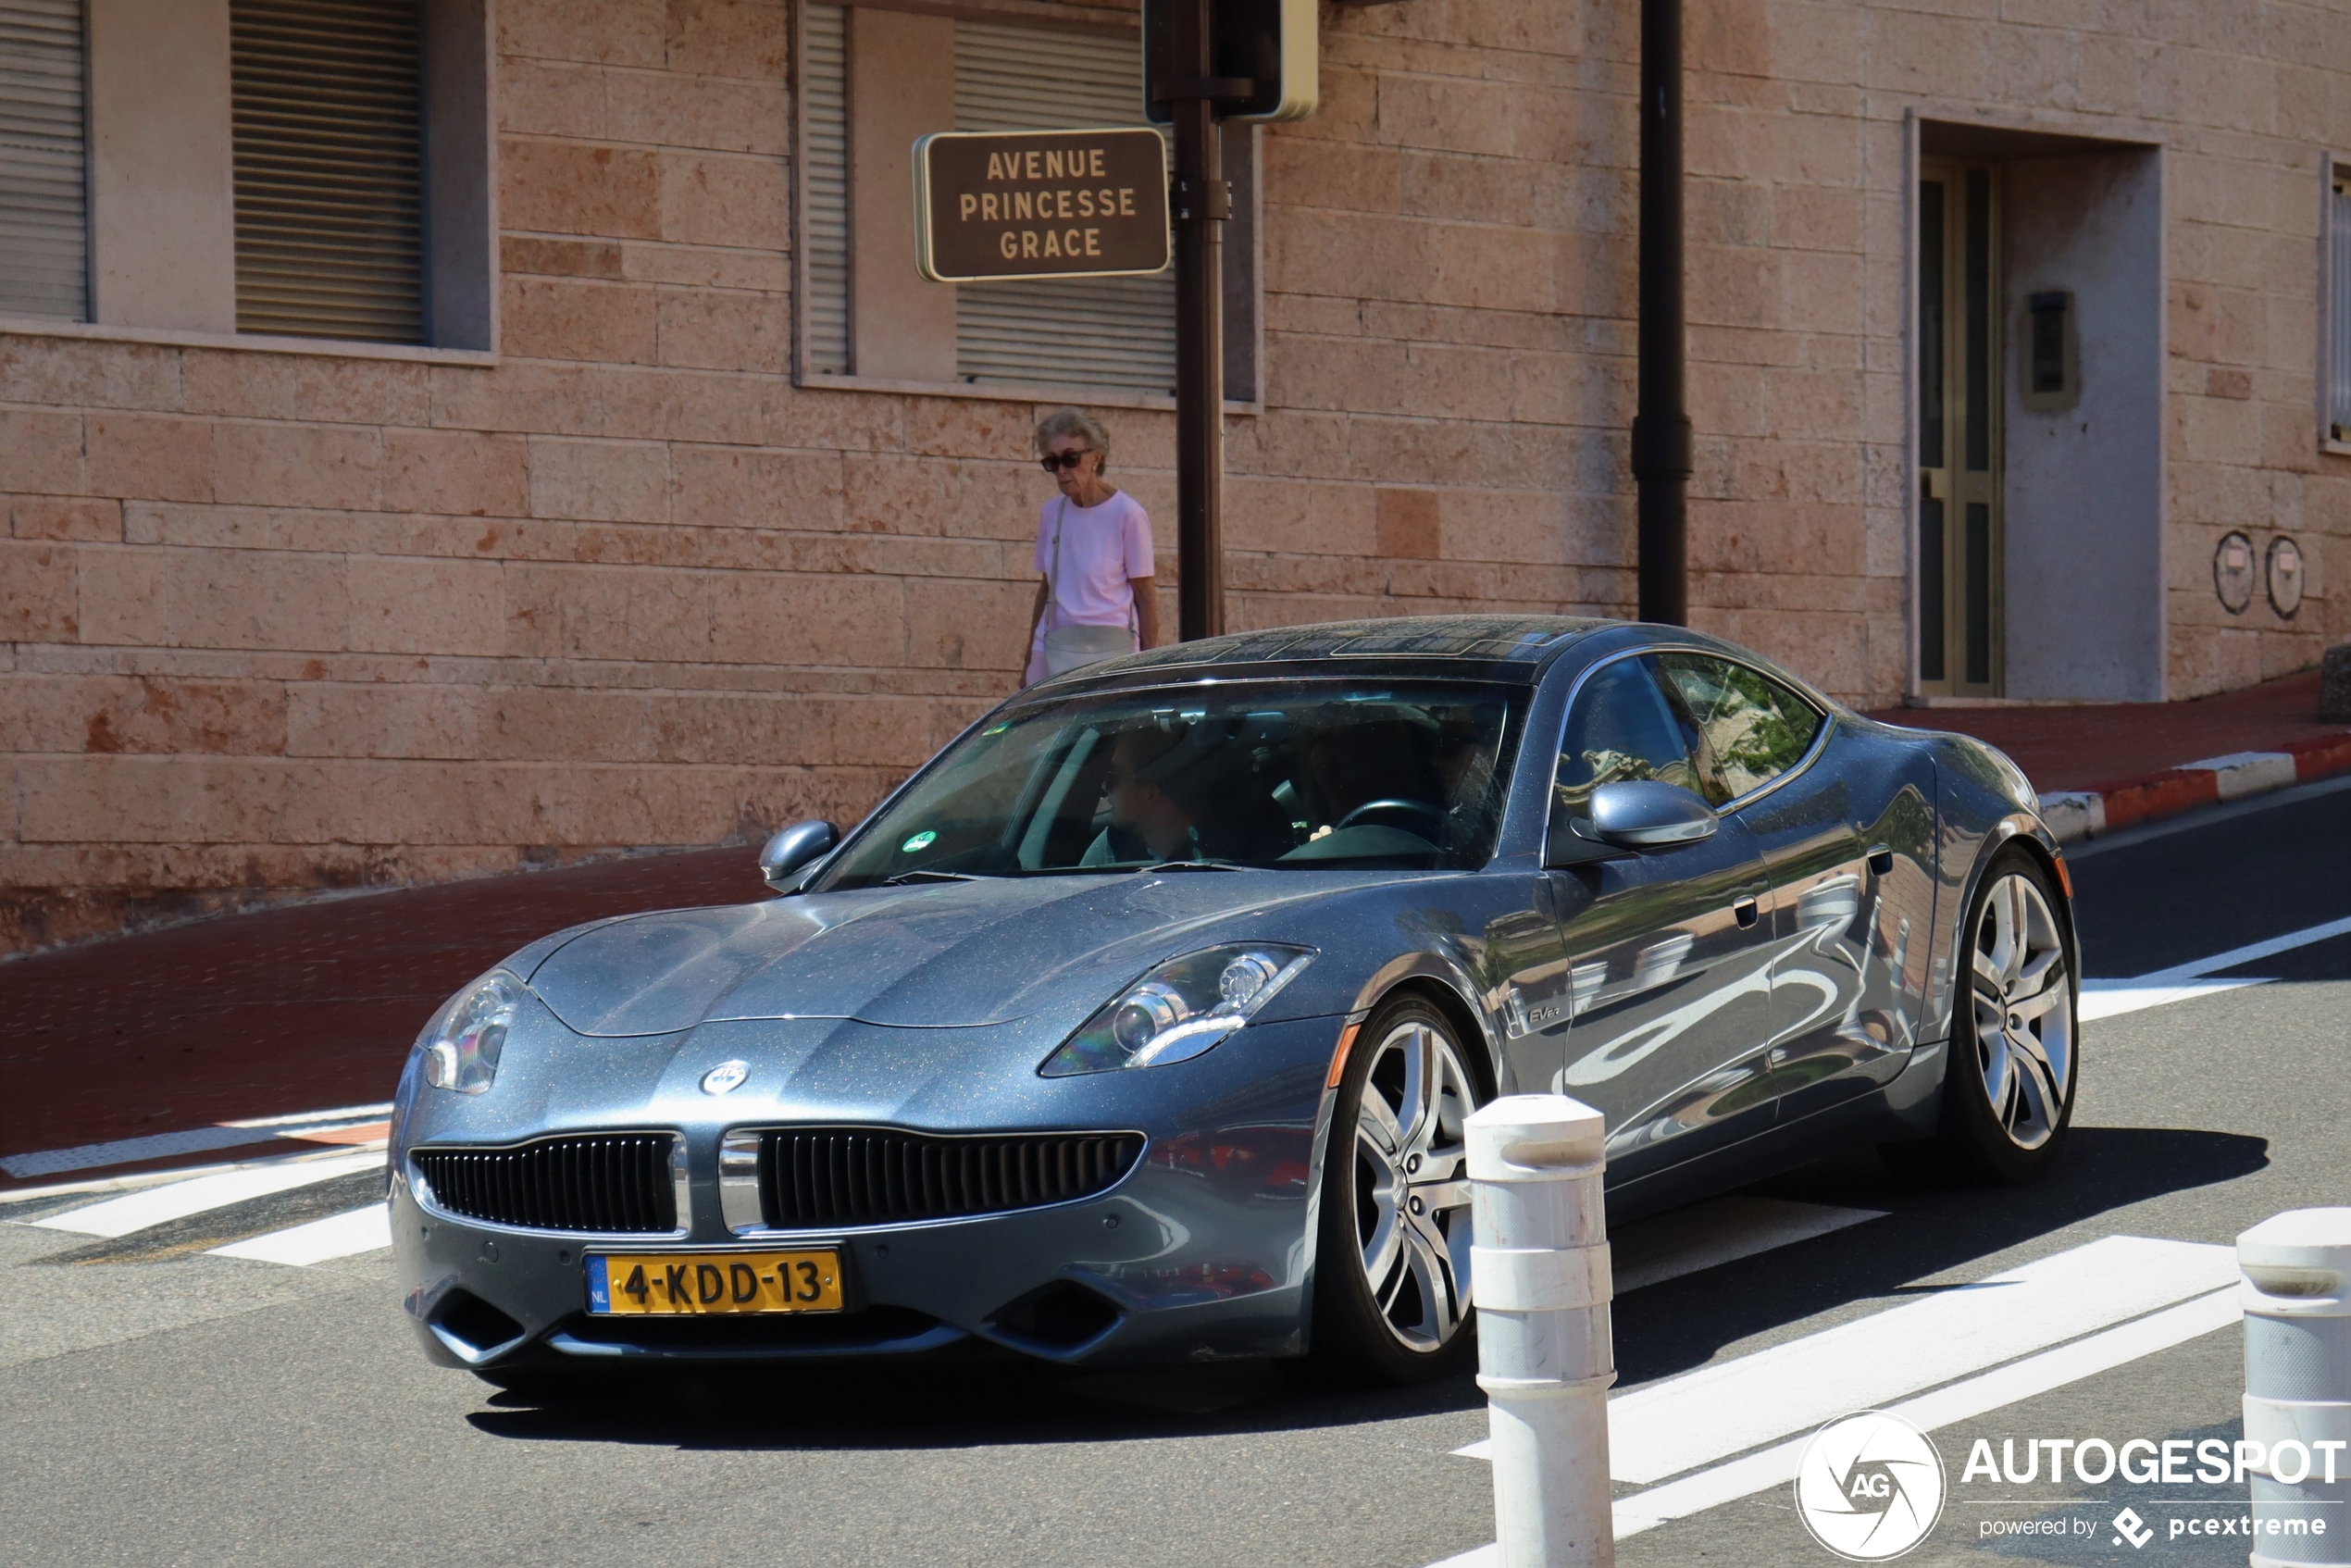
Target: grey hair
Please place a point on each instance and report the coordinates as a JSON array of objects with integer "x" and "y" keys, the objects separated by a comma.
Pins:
[{"x": 1074, "y": 422}]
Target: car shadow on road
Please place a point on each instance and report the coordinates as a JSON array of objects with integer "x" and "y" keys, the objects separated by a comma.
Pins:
[
  {"x": 1930, "y": 1228},
  {"x": 993, "y": 1400},
  {"x": 950, "y": 1403}
]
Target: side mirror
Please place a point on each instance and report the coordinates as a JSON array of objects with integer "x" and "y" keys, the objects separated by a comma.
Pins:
[
  {"x": 793, "y": 849},
  {"x": 1648, "y": 815}
]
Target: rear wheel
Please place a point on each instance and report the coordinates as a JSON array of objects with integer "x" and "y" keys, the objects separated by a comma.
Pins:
[
  {"x": 1392, "y": 1271},
  {"x": 2007, "y": 1092}
]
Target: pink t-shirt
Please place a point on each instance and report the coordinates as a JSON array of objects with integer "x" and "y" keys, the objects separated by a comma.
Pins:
[{"x": 1102, "y": 547}]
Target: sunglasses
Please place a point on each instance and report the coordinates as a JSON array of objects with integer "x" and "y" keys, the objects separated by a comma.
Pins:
[{"x": 1062, "y": 462}]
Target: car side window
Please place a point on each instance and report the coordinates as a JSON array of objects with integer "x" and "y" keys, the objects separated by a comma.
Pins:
[
  {"x": 1620, "y": 729},
  {"x": 1750, "y": 728}
]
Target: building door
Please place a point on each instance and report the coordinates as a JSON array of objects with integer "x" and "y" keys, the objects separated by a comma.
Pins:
[{"x": 1960, "y": 478}]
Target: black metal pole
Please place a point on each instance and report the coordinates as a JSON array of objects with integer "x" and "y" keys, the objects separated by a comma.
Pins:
[
  {"x": 1200, "y": 204},
  {"x": 1661, "y": 425}
]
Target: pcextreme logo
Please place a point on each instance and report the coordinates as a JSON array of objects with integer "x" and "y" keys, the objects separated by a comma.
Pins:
[{"x": 1869, "y": 1486}]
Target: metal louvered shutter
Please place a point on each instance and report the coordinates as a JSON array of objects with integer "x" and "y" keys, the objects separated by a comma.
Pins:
[
  {"x": 1077, "y": 331},
  {"x": 329, "y": 207},
  {"x": 44, "y": 233},
  {"x": 824, "y": 187}
]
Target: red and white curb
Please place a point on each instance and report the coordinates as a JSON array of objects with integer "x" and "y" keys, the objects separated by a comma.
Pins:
[{"x": 2076, "y": 815}]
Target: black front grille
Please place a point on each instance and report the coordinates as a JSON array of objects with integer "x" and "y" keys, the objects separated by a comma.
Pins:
[
  {"x": 612, "y": 1182},
  {"x": 817, "y": 1178}
]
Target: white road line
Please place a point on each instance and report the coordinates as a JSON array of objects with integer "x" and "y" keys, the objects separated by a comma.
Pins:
[
  {"x": 306, "y": 1118},
  {"x": 2112, "y": 999},
  {"x": 1720, "y": 1231},
  {"x": 193, "y": 1140},
  {"x": 2020, "y": 1380},
  {"x": 139, "y": 1181},
  {"x": 2108, "y": 999},
  {"x": 2197, "y": 967},
  {"x": 340, "y": 1236},
  {"x": 137, "y": 1211},
  {"x": 127, "y": 1150},
  {"x": 2006, "y": 1386},
  {"x": 1718, "y": 1411}
]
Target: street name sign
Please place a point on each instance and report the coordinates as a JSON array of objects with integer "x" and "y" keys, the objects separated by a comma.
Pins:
[{"x": 1041, "y": 203}]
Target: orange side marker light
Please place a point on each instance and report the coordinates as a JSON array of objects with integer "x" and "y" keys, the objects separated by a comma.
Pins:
[{"x": 1339, "y": 1058}]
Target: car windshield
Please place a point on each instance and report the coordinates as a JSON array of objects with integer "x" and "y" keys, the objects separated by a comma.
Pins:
[{"x": 1296, "y": 774}]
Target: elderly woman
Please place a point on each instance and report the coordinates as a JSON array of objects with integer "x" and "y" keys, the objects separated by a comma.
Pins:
[{"x": 1093, "y": 551}]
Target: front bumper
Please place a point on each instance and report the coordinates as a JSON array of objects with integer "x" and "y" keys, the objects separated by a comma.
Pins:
[{"x": 1203, "y": 1250}]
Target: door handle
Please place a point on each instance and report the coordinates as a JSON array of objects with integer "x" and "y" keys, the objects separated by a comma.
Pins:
[{"x": 1747, "y": 911}]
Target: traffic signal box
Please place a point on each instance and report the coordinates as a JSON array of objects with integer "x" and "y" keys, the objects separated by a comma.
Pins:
[{"x": 1267, "y": 44}]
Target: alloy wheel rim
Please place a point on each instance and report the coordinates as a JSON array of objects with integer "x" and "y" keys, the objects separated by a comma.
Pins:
[
  {"x": 1411, "y": 1185},
  {"x": 2023, "y": 1011}
]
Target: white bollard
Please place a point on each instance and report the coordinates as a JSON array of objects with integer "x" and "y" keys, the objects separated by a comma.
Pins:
[
  {"x": 1540, "y": 1275},
  {"x": 2297, "y": 1386}
]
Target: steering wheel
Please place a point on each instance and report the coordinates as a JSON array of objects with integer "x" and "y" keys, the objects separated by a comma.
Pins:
[{"x": 1420, "y": 818}]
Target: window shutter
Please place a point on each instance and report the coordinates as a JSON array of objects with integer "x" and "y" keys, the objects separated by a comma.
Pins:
[
  {"x": 329, "y": 212},
  {"x": 2339, "y": 311},
  {"x": 1081, "y": 331},
  {"x": 44, "y": 226},
  {"x": 824, "y": 188}
]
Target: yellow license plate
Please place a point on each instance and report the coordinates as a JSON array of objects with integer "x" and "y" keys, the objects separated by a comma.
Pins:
[{"x": 694, "y": 1283}]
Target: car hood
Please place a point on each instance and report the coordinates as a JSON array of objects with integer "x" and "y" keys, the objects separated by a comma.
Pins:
[{"x": 933, "y": 955}]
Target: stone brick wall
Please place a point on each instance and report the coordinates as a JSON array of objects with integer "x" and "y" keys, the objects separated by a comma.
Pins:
[{"x": 272, "y": 622}]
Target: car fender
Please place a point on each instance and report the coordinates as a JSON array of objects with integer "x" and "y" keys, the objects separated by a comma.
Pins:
[
  {"x": 1429, "y": 968},
  {"x": 1919, "y": 1084}
]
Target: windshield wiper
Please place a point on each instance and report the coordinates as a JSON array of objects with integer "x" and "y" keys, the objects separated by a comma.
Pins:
[
  {"x": 1196, "y": 866},
  {"x": 922, "y": 876}
]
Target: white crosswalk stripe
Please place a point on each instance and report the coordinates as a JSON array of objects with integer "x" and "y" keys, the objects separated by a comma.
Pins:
[
  {"x": 1718, "y": 1411},
  {"x": 194, "y": 1140},
  {"x": 338, "y": 1236},
  {"x": 1736, "y": 1428},
  {"x": 152, "y": 1206},
  {"x": 1775, "y": 1466}
]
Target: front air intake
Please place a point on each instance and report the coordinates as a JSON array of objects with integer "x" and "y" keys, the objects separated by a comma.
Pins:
[
  {"x": 821, "y": 1178},
  {"x": 612, "y": 1184}
]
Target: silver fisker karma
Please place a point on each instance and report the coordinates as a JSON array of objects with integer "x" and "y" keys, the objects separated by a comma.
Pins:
[{"x": 1141, "y": 1024}]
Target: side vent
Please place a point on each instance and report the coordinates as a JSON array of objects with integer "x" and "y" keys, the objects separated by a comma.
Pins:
[{"x": 1062, "y": 1318}]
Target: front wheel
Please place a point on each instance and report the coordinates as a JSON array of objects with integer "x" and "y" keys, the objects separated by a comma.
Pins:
[
  {"x": 2007, "y": 1092},
  {"x": 1392, "y": 1271}
]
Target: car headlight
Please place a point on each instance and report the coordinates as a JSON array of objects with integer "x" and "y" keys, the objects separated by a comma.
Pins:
[
  {"x": 1179, "y": 1009},
  {"x": 462, "y": 1043}
]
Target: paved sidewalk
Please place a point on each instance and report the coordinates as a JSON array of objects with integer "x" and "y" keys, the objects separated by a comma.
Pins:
[{"x": 2104, "y": 766}]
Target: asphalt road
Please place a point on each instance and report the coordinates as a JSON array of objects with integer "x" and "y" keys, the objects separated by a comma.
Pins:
[{"x": 162, "y": 1405}]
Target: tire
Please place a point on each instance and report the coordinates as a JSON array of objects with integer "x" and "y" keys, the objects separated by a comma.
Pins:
[
  {"x": 1391, "y": 1296},
  {"x": 2008, "y": 1086}
]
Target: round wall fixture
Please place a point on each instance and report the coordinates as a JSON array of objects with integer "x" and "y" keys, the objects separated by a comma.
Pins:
[
  {"x": 2232, "y": 572},
  {"x": 2285, "y": 575}
]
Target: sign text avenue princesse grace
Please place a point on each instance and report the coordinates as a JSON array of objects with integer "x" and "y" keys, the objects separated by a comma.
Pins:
[{"x": 1041, "y": 203}]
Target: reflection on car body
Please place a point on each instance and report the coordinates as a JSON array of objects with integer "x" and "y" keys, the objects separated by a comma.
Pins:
[{"x": 1139, "y": 1024}]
